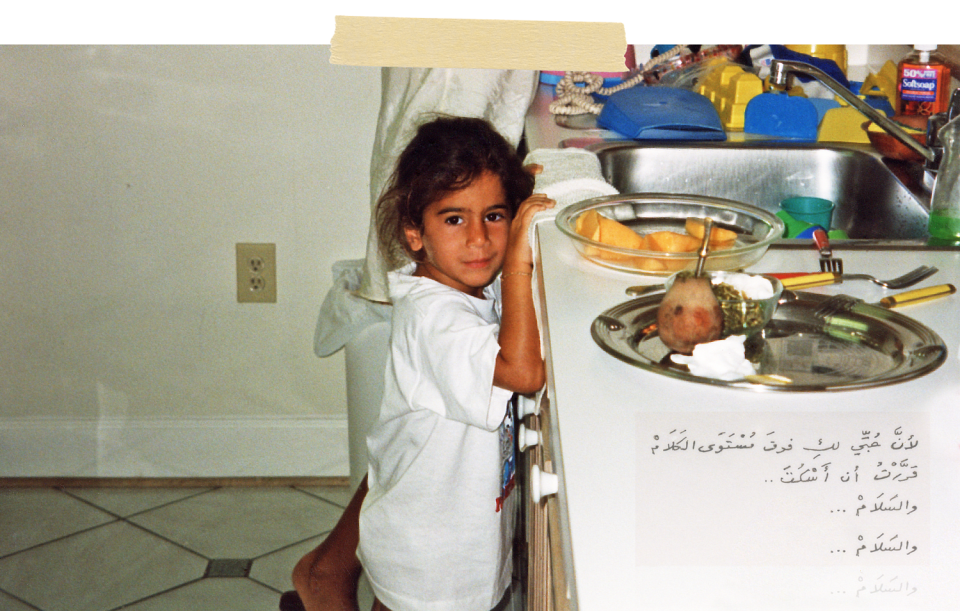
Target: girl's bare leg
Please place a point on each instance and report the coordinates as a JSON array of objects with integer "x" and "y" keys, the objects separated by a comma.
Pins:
[{"x": 326, "y": 578}]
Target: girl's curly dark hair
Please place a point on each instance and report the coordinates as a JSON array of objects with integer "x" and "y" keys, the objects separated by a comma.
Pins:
[{"x": 446, "y": 154}]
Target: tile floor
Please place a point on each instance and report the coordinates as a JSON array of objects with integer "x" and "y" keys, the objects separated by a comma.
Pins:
[{"x": 148, "y": 549}]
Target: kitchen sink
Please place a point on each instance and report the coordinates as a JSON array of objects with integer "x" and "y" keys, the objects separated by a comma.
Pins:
[{"x": 875, "y": 200}]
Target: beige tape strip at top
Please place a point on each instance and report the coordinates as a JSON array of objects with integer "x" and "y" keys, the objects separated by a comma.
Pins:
[{"x": 478, "y": 43}]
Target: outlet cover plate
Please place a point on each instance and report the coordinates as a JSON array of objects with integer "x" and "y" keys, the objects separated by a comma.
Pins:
[{"x": 256, "y": 272}]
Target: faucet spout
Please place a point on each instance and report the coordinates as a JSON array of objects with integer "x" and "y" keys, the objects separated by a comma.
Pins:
[{"x": 781, "y": 69}]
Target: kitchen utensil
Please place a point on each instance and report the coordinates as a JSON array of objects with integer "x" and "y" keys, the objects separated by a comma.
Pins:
[
  {"x": 806, "y": 280},
  {"x": 646, "y": 213},
  {"x": 704, "y": 246},
  {"x": 900, "y": 282},
  {"x": 828, "y": 263},
  {"x": 802, "y": 280},
  {"x": 792, "y": 282},
  {"x": 797, "y": 352},
  {"x": 841, "y": 304}
]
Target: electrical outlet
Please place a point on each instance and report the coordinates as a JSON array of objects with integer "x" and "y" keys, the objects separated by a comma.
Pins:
[{"x": 256, "y": 273}]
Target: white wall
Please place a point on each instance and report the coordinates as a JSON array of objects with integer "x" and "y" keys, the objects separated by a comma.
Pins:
[{"x": 127, "y": 174}]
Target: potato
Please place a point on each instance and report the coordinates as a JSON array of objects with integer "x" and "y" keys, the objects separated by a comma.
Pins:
[{"x": 719, "y": 237}]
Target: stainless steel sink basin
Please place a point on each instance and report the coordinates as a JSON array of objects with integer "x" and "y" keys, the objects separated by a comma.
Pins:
[{"x": 872, "y": 203}]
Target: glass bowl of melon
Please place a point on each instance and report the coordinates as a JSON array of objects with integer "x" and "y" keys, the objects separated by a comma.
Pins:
[{"x": 660, "y": 234}]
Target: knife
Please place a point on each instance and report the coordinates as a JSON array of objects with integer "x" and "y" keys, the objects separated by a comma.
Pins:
[
  {"x": 803, "y": 280},
  {"x": 917, "y": 296}
]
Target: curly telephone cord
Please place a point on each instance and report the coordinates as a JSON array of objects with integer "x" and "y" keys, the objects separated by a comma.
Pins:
[{"x": 574, "y": 100}]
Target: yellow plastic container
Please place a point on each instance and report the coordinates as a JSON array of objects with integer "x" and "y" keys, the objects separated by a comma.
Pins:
[
  {"x": 729, "y": 89},
  {"x": 844, "y": 124},
  {"x": 882, "y": 83},
  {"x": 838, "y": 53}
]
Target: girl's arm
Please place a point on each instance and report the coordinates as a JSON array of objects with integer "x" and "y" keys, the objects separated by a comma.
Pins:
[{"x": 519, "y": 365}]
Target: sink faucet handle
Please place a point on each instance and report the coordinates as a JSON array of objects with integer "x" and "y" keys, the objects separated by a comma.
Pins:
[
  {"x": 778, "y": 74},
  {"x": 953, "y": 108}
]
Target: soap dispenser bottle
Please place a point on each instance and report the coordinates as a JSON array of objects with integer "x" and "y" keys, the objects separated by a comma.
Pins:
[
  {"x": 945, "y": 200},
  {"x": 923, "y": 82}
]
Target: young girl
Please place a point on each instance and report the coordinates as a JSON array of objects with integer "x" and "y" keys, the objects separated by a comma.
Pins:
[
  {"x": 436, "y": 525},
  {"x": 439, "y": 519}
]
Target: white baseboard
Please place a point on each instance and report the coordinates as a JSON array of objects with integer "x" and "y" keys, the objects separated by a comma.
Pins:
[{"x": 175, "y": 447}]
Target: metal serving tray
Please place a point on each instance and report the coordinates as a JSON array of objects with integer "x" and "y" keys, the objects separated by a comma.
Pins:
[{"x": 866, "y": 347}]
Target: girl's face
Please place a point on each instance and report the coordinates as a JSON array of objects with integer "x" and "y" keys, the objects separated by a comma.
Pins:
[{"x": 464, "y": 236}]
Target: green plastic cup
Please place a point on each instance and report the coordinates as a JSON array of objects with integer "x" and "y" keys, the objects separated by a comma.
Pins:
[{"x": 813, "y": 210}]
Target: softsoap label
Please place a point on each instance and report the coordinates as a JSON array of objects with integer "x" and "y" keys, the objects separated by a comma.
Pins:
[{"x": 919, "y": 84}]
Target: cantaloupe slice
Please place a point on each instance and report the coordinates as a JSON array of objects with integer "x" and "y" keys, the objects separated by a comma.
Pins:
[
  {"x": 649, "y": 264},
  {"x": 719, "y": 237},
  {"x": 588, "y": 225},
  {"x": 671, "y": 241},
  {"x": 599, "y": 228},
  {"x": 615, "y": 233}
]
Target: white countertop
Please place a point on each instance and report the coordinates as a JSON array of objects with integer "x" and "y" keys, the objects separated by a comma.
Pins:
[{"x": 647, "y": 529}]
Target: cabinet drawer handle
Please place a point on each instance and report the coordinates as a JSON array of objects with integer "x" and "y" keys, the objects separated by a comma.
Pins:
[
  {"x": 528, "y": 406},
  {"x": 527, "y": 438},
  {"x": 542, "y": 484}
]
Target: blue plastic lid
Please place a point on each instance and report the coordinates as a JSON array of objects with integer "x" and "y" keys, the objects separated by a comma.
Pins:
[
  {"x": 661, "y": 113},
  {"x": 779, "y": 114}
]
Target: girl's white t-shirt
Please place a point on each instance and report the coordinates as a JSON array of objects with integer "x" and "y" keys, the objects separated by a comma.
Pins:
[{"x": 436, "y": 527}]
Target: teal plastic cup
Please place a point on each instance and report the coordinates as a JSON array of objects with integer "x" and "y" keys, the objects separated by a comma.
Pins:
[{"x": 813, "y": 210}]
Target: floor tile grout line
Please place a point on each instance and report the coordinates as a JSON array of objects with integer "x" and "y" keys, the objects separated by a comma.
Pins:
[
  {"x": 86, "y": 502},
  {"x": 266, "y": 585},
  {"x": 137, "y": 526},
  {"x": 317, "y": 496},
  {"x": 111, "y": 522},
  {"x": 126, "y": 520},
  {"x": 142, "y": 511},
  {"x": 294, "y": 544},
  {"x": 127, "y": 605},
  {"x": 60, "y": 538},
  {"x": 157, "y": 594},
  {"x": 183, "y": 546},
  {"x": 114, "y": 517},
  {"x": 20, "y": 600},
  {"x": 167, "y": 539}
]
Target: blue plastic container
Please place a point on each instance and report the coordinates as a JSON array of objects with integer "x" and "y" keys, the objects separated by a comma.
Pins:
[{"x": 813, "y": 210}]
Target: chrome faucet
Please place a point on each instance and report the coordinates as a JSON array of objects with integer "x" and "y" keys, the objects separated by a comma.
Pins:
[{"x": 781, "y": 69}]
